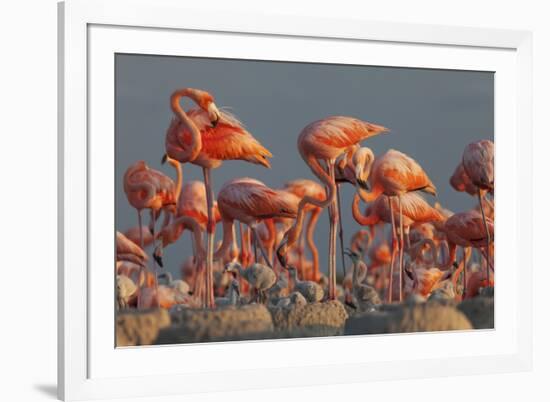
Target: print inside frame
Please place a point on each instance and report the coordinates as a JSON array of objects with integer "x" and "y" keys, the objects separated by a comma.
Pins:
[
  {"x": 94, "y": 363},
  {"x": 276, "y": 100}
]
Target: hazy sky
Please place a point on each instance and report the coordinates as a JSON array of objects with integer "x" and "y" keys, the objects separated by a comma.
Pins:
[{"x": 432, "y": 115}]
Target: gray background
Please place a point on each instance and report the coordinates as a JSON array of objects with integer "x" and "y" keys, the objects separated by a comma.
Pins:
[{"x": 432, "y": 115}]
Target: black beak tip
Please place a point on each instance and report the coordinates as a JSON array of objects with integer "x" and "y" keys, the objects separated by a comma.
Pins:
[
  {"x": 158, "y": 259},
  {"x": 351, "y": 305},
  {"x": 164, "y": 159},
  {"x": 214, "y": 123}
]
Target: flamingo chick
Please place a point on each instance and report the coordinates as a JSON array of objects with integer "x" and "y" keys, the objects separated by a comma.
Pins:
[
  {"x": 259, "y": 276},
  {"x": 312, "y": 291}
]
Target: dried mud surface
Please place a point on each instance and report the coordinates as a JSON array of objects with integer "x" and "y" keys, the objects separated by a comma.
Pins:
[
  {"x": 431, "y": 316},
  {"x": 140, "y": 328}
]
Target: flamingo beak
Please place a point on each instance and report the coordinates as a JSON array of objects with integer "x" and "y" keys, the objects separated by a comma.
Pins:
[
  {"x": 164, "y": 159},
  {"x": 157, "y": 255},
  {"x": 282, "y": 259},
  {"x": 213, "y": 114},
  {"x": 158, "y": 259}
]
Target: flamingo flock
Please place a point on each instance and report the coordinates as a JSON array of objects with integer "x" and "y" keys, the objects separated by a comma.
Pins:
[{"x": 262, "y": 256}]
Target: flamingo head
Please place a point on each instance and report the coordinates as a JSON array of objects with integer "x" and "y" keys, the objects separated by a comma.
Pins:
[
  {"x": 352, "y": 255},
  {"x": 363, "y": 159},
  {"x": 206, "y": 102},
  {"x": 232, "y": 267},
  {"x": 213, "y": 113}
]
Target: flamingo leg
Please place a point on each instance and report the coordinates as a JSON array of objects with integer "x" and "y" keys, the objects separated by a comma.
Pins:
[
  {"x": 311, "y": 243},
  {"x": 301, "y": 256},
  {"x": 210, "y": 229},
  {"x": 465, "y": 273},
  {"x": 155, "y": 269},
  {"x": 262, "y": 249},
  {"x": 255, "y": 248},
  {"x": 393, "y": 249},
  {"x": 479, "y": 197},
  {"x": 139, "y": 298},
  {"x": 333, "y": 214},
  {"x": 140, "y": 231},
  {"x": 340, "y": 227},
  {"x": 401, "y": 249}
]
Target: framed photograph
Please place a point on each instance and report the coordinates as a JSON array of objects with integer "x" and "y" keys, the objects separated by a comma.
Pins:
[{"x": 255, "y": 201}]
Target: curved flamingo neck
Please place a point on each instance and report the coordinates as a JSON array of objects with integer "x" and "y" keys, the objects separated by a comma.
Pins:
[
  {"x": 451, "y": 256},
  {"x": 462, "y": 267},
  {"x": 310, "y": 240},
  {"x": 240, "y": 269},
  {"x": 189, "y": 153},
  {"x": 192, "y": 225},
  {"x": 370, "y": 196},
  {"x": 360, "y": 218},
  {"x": 179, "y": 177},
  {"x": 328, "y": 180},
  {"x": 227, "y": 239}
]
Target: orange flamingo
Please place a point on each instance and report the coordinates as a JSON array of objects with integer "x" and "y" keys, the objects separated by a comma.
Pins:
[
  {"x": 461, "y": 182},
  {"x": 127, "y": 250},
  {"x": 478, "y": 161},
  {"x": 466, "y": 229},
  {"x": 249, "y": 201},
  {"x": 153, "y": 295},
  {"x": 415, "y": 210},
  {"x": 206, "y": 137},
  {"x": 393, "y": 174},
  {"x": 147, "y": 188},
  {"x": 309, "y": 188},
  {"x": 326, "y": 140}
]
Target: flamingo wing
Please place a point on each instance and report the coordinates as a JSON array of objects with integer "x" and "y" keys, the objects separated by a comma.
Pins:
[
  {"x": 478, "y": 161},
  {"x": 470, "y": 227},
  {"x": 399, "y": 173},
  {"x": 249, "y": 197}
]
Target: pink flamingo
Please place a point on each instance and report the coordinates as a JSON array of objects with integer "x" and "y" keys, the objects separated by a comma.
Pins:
[
  {"x": 466, "y": 229},
  {"x": 326, "y": 140},
  {"x": 246, "y": 200},
  {"x": 147, "y": 188},
  {"x": 250, "y": 201},
  {"x": 151, "y": 189},
  {"x": 478, "y": 161},
  {"x": 393, "y": 174},
  {"x": 309, "y": 188},
  {"x": 413, "y": 209},
  {"x": 127, "y": 250},
  {"x": 206, "y": 137},
  {"x": 461, "y": 182}
]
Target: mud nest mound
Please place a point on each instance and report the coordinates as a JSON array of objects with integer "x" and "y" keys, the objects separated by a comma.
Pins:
[
  {"x": 480, "y": 311},
  {"x": 135, "y": 328},
  {"x": 317, "y": 319},
  {"x": 223, "y": 324},
  {"x": 408, "y": 318}
]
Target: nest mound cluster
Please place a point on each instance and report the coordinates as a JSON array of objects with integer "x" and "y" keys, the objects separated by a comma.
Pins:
[{"x": 331, "y": 318}]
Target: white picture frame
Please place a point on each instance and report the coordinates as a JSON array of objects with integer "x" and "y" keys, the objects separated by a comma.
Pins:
[{"x": 89, "y": 365}]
